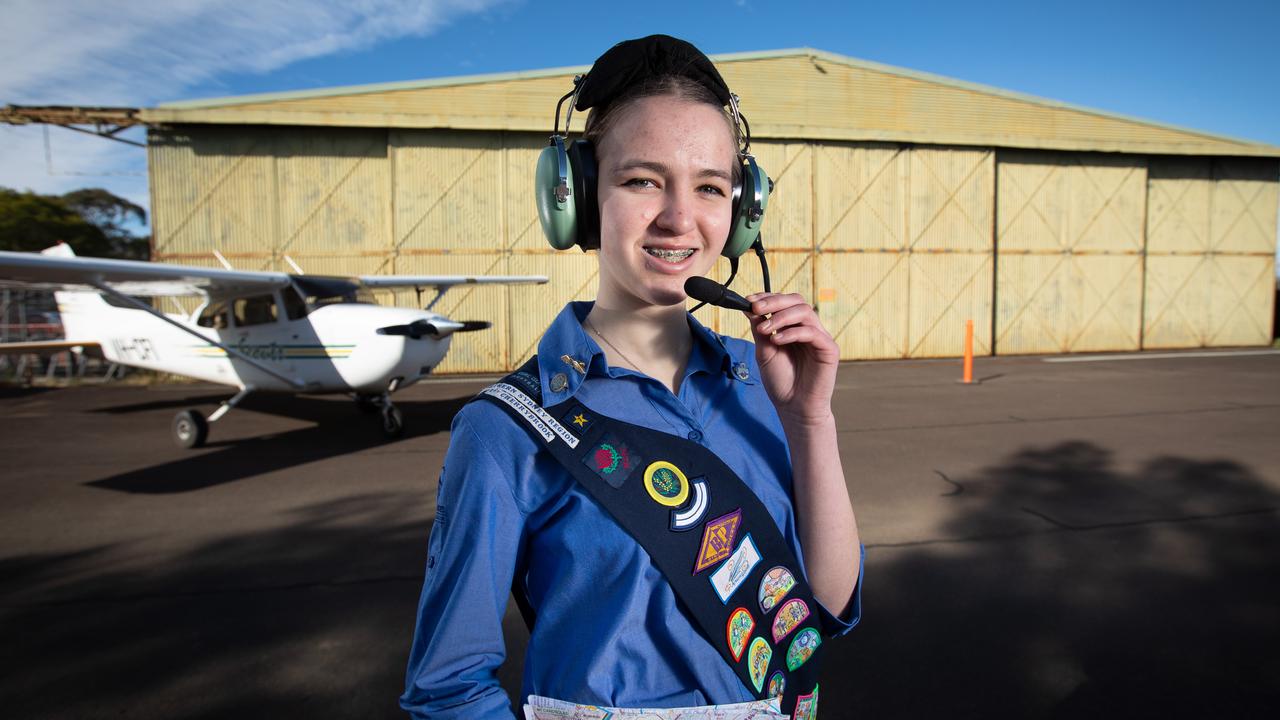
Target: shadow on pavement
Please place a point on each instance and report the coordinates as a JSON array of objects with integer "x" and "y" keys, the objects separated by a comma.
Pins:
[
  {"x": 1143, "y": 594},
  {"x": 1149, "y": 593},
  {"x": 339, "y": 429},
  {"x": 246, "y": 627}
]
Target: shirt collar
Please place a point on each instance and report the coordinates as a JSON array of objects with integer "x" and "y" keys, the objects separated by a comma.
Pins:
[{"x": 567, "y": 355}]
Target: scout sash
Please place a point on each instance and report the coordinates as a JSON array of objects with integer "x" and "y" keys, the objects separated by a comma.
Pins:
[{"x": 711, "y": 537}]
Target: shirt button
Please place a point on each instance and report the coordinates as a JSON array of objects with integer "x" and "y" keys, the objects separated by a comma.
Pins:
[{"x": 695, "y": 435}]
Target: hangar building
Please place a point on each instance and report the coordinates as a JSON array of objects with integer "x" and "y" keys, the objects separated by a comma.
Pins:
[{"x": 905, "y": 204}]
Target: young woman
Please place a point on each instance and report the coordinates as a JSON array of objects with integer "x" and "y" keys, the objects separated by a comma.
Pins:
[{"x": 609, "y": 629}]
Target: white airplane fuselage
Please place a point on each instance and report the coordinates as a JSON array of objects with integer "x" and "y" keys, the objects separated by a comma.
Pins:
[{"x": 333, "y": 349}]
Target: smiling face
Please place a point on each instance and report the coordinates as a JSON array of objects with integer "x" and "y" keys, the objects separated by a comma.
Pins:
[{"x": 665, "y": 188}]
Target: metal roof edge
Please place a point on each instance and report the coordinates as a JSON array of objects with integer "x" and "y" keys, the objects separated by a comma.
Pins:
[
  {"x": 232, "y": 100},
  {"x": 765, "y": 132},
  {"x": 1026, "y": 97}
]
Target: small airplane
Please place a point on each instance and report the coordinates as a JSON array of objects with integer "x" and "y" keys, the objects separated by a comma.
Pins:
[{"x": 256, "y": 331}]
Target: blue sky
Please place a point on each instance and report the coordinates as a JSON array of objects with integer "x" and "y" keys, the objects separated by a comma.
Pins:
[{"x": 1209, "y": 66}]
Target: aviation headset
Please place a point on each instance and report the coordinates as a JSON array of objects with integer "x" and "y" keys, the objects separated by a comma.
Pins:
[{"x": 565, "y": 184}]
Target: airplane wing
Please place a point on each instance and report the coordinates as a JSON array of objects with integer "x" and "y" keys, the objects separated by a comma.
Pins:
[
  {"x": 446, "y": 281},
  {"x": 50, "y": 271}
]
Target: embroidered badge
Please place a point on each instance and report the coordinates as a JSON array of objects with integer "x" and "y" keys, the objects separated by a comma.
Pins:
[
  {"x": 578, "y": 420},
  {"x": 738, "y": 632},
  {"x": 758, "y": 661},
  {"x": 740, "y": 371},
  {"x": 666, "y": 484},
  {"x": 802, "y": 648},
  {"x": 717, "y": 540},
  {"x": 611, "y": 460},
  {"x": 774, "y": 586},
  {"x": 790, "y": 615},
  {"x": 777, "y": 684},
  {"x": 807, "y": 705},
  {"x": 729, "y": 577},
  {"x": 687, "y": 518}
]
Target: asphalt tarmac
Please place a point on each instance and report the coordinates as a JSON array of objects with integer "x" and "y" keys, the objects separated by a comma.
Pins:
[{"x": 1061, "y": 540}]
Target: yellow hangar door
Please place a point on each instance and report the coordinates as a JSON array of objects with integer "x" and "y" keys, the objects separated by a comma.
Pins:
[
  {"x": 213, "y": 190},
  {"x": 950, "y": 231},
  {"x": 332, "y": 185},
  {"x": 860, "y": 246},
  {"x": 1211, "y": 228},
  {"x": 1069, "y": 243},
  {"x": 903, "y": 248},
  {"x": 447, "y": 219}
]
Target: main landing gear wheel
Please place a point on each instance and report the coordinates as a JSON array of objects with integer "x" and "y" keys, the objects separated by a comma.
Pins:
[
  {"x": 392, "y": 421},
  {"x": 190, "y": 429}
]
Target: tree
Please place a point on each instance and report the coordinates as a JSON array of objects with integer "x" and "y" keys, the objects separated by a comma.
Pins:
[{"x": 90, "y": 220}]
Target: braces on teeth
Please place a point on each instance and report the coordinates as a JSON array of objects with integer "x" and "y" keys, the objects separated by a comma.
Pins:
[{"x": 669, "y": 254}]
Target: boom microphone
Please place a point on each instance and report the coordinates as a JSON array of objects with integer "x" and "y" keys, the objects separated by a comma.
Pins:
[{"x": 711, "y": 292}]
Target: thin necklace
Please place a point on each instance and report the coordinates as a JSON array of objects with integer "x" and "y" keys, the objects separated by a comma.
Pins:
[{"x": 599, "y": 334}]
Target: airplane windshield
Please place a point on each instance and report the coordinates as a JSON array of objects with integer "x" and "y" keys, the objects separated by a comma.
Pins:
[
  {"x": 355, "y": 295},
  {"x": 321, "y": 291}
]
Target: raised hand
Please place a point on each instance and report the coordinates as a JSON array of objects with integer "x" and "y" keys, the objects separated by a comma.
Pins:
[{"x": 798, "y": 358}]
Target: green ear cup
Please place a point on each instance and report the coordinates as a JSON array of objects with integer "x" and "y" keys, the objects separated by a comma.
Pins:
[
  {"x": 553, "y": 189},
  {"x": 749, "y": 213}
]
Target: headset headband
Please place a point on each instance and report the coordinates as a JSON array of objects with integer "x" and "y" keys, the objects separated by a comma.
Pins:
[{"x": 632, "y": 62}]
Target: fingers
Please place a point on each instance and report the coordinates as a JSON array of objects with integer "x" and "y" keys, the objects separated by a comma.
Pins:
[
  {"x": 766, "y": 303},
  {"x": 787, "y": 318},
  {"x": 771, "y": 312}
]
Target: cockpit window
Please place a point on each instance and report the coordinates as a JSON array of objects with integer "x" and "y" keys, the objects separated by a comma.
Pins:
[
  {"x": 214, "y": 316},
  {"x": 295, "y": 308},
  {"x": 257, "y": 310}
]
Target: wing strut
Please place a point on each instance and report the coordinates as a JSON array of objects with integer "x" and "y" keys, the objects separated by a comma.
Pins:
[{"x": 102, "y": 287}]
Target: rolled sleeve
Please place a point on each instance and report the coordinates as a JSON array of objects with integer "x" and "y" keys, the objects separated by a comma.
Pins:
[
  {"x": 833, "y": 626},
  {"x": 458, "y": 642}
]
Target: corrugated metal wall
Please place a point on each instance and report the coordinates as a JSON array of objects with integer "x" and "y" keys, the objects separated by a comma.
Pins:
[{"x": 897, "y": 245}]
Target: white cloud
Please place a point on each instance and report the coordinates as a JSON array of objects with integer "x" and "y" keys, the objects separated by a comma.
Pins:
[{"x": 124, "y": 52}]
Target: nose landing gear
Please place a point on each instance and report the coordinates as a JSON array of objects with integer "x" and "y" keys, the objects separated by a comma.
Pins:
[{"x": 391, "y": 417}]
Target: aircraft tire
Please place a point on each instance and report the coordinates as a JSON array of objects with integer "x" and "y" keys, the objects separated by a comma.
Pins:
[
  {"x": 190, "y": 429},
  {"x": 392, "y": 422}
]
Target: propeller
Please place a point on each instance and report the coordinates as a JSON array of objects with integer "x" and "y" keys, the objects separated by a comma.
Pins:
[{"x": 438, "y": 328}]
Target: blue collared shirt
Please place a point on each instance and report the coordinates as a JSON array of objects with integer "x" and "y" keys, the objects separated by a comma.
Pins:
[{"x": 609, "y": 630}]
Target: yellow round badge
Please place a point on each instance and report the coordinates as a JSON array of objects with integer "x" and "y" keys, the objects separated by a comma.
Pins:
[{"x": 666, "y": 484}]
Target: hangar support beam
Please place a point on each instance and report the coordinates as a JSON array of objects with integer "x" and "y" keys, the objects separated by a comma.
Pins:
[{"x": 104, "y": 122}]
